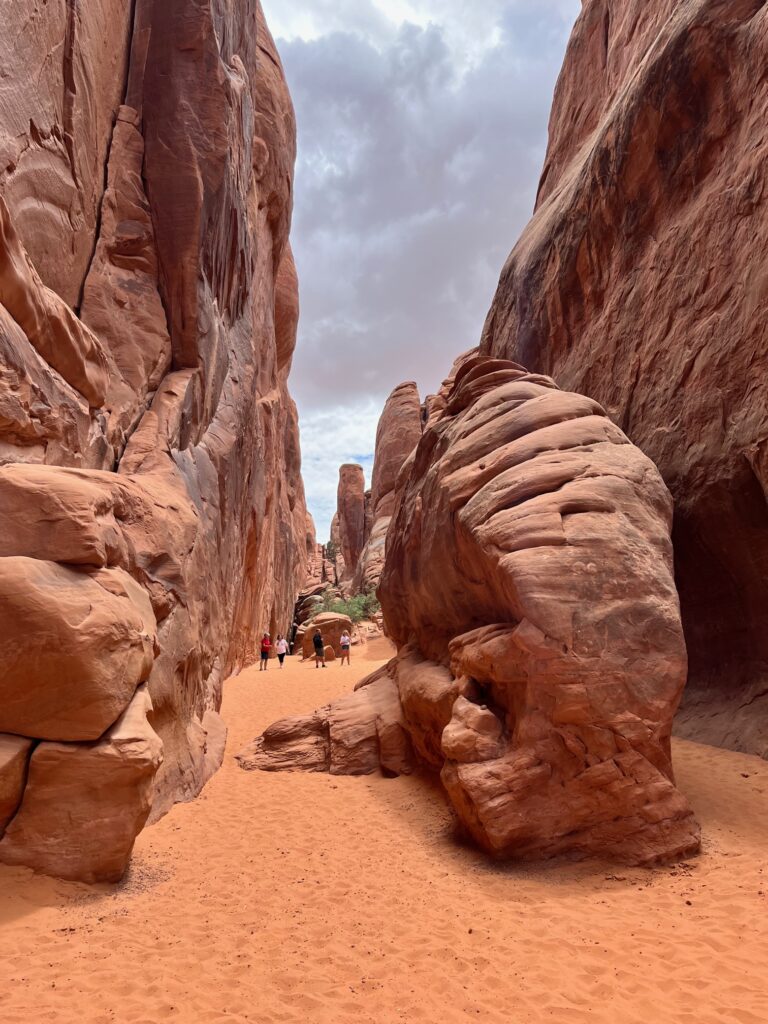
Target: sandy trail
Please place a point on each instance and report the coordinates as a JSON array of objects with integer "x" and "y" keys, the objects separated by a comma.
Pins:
[{"x": 288, "y": 898}]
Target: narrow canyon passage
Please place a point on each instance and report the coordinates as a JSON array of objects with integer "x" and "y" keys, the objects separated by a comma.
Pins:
[{"x": 303, "y": 897}]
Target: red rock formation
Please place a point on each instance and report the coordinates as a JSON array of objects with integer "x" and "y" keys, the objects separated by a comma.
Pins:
[
  {"x": 397, "y": 434},
  {"x": 368, "y": 515},
  {"x": 64, "y": 68},
  {"x": 528, "y": 585},
  {"x": 87, "y": 640},
  {"x": 331, "y": 625},
  {"x": 353, "y": 736},
  {"x": 84, "y": 804},
  {"x": 640, "y": 282},
  {"x": 150, "y": 490},
  {"x": 315, "y": 558},
  {"x": 339, "y": 565},
  {"x": 351, "y": 519},
  {"x": 14, "y": 759},
  {"x": 121, "y": 298}
]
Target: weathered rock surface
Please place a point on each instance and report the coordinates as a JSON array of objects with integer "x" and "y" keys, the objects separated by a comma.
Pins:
[
  {"x": 309, "y": 605},
  {"x": 314, "y": 577},
  {"x": 370, "y": 565},
  {"x": 150, "y": 492},
  {"x": 528, "y": 585},
  {"x": 121, "y": 300},
  {"x": 84, "y": 804},
  {"x": 321, "y": 568},
  {"x": 50, "y": 326},
  {"x": 331, "y": 626},
  {"x": 351, "y": 519},
  {"x": 398, "y": 433},
  {"x": 640, "y": 281},
  {"x": 75, "y": 648},
  {"x": 339, "y": 565},
  {"x": 360, "y": 734}
]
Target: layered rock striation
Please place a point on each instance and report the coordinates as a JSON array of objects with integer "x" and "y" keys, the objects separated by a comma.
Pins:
[
  {"x": 528, "y": 585},
  {"x": 640, "y": 282},
  {"x": 150, "y": 493},
  {"x": 348, "y": 530},
  {"x": 397, "y": 435}
]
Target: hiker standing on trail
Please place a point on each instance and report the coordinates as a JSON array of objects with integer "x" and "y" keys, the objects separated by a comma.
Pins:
[
  {"x": 266, "y": 647},
  {"x": 345, "y": 643},
  {"x": 319, "y": 645},
  {"x": 281, "y": 647}
]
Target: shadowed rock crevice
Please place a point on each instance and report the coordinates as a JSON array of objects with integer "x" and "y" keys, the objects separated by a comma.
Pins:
[{"x": 15, "y": 753}]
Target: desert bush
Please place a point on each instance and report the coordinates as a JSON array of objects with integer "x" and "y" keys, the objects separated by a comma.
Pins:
[{"x": 359, "y": 607}]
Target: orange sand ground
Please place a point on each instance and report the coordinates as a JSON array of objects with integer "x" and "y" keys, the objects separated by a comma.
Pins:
[{"x": 287, "y": 898}]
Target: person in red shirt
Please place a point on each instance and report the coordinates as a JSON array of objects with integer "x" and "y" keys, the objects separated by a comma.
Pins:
[{"x": 266, "y": 647}]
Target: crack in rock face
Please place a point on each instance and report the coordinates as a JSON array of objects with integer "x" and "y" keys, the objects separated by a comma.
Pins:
[{"x": 528, "y": 585}]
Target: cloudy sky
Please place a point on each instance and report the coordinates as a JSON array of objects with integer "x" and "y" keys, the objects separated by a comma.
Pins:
[{"x": 422, "y": 127}]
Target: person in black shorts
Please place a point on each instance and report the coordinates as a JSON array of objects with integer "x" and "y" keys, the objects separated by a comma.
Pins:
[
  {"x": 266, "y": 647},
  {"x": 281, "y": 646},
  {"x": 319, "y": 646}
]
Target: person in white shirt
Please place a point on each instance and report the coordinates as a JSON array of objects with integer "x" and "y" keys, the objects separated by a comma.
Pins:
[
  {"x": 281, "y": 646},
  {"x": 345, "y": 643}
]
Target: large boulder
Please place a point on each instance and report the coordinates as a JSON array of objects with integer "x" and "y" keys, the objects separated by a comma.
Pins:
[
  {"x": 84, "y": 804},
  {"x": 75, "y": 648},
  {"x": 361, "y": 734},
  {"x": 528, "y": 585},
  {"x": 331, "y": 625},
  {"x": 640, "y": 283}
]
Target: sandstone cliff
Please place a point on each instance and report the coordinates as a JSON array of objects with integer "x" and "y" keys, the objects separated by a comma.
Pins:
[
  {"x": 152, "y": 507},
  {"x": 641, "y": 282}
]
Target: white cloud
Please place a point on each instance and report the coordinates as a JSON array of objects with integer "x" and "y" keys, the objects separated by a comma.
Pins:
[
  {"x": 422, "y": 129},
  {"x": 329, "y": 438}
]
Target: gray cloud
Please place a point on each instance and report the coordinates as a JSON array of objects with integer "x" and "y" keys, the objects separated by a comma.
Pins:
[{"x": 420, "y": 147}]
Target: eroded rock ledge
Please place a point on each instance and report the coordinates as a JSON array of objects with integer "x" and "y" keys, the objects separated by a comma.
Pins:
[{"x": 528, "y": 585}]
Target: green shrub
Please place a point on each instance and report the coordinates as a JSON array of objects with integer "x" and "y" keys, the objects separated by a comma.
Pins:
[
  {"x": 371, "y": 605},
  {"x": 359, "y": 607},
  {"x": 329, "y": 599}
]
